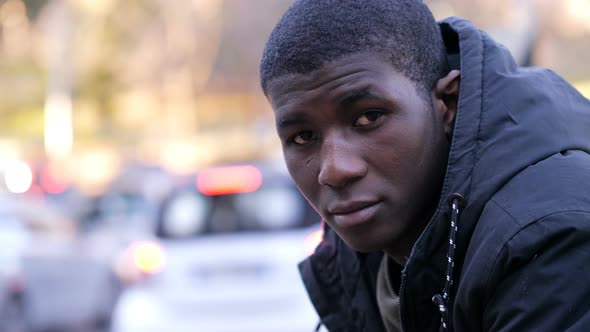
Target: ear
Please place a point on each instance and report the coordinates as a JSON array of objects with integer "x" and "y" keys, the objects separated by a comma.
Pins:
[{"x": 445, "y": 98}]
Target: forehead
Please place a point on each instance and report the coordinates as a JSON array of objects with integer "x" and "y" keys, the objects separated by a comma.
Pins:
[{"x": 356, "y": 74}]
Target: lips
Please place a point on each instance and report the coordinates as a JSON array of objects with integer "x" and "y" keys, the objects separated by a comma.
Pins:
[{"x": 353, "y": 213}]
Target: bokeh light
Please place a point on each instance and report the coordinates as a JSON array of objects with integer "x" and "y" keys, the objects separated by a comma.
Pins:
[{"x": 18, "y": 177}]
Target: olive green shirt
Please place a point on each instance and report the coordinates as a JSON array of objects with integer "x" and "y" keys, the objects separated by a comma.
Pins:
[{"x": 387, "y": 298}]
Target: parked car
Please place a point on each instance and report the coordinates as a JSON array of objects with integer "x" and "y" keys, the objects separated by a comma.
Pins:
[
  {"x": 14, "y": 239},
  {"x": 224, "y": 257},
  {"x": 125, "y": 212},
  {"x": 53, "y": 279},
  {"x": 127, "y": 209}
]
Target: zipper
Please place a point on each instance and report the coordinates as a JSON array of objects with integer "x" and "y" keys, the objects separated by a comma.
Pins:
[{"x": 401, "y": 301}]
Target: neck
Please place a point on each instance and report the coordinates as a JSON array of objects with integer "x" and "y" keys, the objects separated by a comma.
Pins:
[{"x": 400, "y": 250}]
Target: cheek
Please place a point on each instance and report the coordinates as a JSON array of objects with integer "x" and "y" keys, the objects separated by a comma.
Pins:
[
  {"x": 420, "y": 158},
  {"x": 401, "y": 153},
  {"x": 304, "y": 175}
]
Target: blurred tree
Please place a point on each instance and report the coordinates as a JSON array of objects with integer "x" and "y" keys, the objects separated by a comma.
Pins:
[
  {"x": 34, "y": 7},
  {"x": 21, "y": 76}
]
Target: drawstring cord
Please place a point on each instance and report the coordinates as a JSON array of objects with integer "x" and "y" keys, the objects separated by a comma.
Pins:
[{"x": 456, "y": 202}]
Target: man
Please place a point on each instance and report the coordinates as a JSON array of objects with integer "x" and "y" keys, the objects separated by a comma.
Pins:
[{"x": 454, "y": 185}]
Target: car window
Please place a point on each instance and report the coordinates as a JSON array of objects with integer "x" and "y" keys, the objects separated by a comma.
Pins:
[
  {"x": 273, "y": 207},
  {"x": 185, "y": 214},
  {"x": 276, "y": 207}
]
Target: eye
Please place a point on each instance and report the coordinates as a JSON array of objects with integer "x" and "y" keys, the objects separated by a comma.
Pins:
[
  {"x": 367, "y": 118},
  {"x": 301, "y": 138}
]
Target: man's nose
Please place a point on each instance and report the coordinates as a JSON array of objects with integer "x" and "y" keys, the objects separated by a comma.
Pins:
[{"x": 341, "y": 164}]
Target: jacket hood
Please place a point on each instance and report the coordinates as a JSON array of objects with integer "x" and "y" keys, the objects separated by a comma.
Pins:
[{"x": 508, "y": 118}]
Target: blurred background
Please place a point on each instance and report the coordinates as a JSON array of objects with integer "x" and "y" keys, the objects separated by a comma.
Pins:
[{"x": 141, "y": 183}]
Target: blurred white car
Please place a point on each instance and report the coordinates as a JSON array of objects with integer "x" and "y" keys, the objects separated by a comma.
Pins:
[
  {"x": 224, "y": 259},
  {"x": 54, "y": 279},
  {"x": 14, "y": 239}
]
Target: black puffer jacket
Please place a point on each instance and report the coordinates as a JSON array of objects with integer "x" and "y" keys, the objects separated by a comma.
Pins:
[{"x": 520, "y": 157}]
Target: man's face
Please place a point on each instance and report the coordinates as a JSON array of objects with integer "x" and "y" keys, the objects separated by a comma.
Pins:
[{"x": 365, "y": 148}]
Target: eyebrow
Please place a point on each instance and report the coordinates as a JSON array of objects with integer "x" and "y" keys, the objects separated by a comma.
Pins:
[
  {"x": 289, "y": 121},
  {"x": 354, "y": 96}
]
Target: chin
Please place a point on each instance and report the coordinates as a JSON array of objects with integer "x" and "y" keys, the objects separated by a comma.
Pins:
[{"x": 366, "y": 247}]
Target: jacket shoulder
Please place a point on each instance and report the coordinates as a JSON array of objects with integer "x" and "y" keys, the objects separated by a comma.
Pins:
[
  {"x": 535, "y": 227},
  {"x": 559, "y": 183},
  {"x": 556, "y": 186}
]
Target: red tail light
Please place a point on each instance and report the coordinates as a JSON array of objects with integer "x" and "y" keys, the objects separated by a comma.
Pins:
[
  {"x": 229, "y": 180},
  {"x": 50, "y": 183}
]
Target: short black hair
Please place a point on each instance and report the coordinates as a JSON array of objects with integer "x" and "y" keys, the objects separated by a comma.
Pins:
[{"x": 315, "y": 32}]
